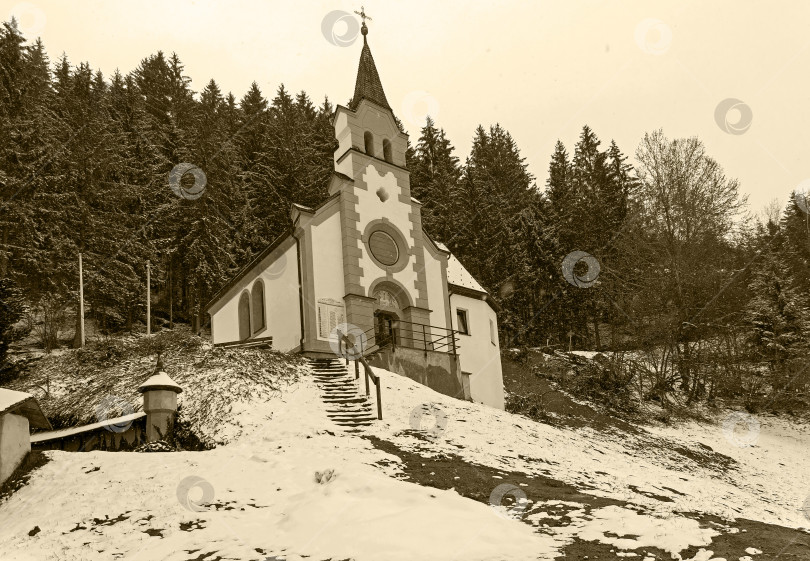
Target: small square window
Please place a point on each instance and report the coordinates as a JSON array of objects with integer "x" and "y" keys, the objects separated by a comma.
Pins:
[{"x": 463, "y": 324}]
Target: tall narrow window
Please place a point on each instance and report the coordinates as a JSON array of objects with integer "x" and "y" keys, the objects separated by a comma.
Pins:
[
  {"x": 368, "y": 138},
  {"x": 387, "y": 151},
  {"x": 463, "y": 324},
  {"x": 258, "y": 306},
  {"x": 244, "y": 316},
  {"x": 492, "y": 338}
]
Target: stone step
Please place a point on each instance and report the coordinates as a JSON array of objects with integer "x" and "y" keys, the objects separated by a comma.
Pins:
[
  {"x": 338, "y": 407},
  {"x": 349, "y": 413}
]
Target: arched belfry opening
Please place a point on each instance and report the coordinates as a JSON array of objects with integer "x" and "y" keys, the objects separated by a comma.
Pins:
[{"x": 368, "y": 139}]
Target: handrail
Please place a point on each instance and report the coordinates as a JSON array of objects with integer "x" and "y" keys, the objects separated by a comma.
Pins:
[
  {"x": 406, "y": 332},
  {"x": 344, "y": 340}
]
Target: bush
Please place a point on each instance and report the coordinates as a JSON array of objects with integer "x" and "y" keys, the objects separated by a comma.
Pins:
[{"x": 605, "y": 380}]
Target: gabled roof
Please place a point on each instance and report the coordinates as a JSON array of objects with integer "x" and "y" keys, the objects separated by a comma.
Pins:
[
  {"x": 241, "y": 273},
  {"x": 368, "y": 85},
  {"x": 25, "y": 405},
  {"x": 459, "y": 276}
]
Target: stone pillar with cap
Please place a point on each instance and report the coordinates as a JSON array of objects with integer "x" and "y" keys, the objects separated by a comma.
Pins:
[{"x": 159, "y": 403}]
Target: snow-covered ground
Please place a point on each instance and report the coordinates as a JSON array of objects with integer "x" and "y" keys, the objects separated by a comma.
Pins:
[
  {"x": 260, "y": 497},
  {"x": 767, "y": 482}
]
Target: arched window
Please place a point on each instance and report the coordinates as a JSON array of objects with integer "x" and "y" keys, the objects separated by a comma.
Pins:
[
  {"x": 244, "y": 316},
  {"x": 369, "y": 140},
  {"x": 387, "y": 151},
  {"x": 257, "y": 297}
]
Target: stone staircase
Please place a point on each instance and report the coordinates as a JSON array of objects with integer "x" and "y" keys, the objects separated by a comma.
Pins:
[{"x": 344, "y": 405}]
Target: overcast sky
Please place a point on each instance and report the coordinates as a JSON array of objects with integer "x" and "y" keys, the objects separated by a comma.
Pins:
[{"x": 540, "y": 69}]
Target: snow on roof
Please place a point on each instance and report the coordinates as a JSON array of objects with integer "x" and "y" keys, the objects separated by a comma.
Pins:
[
  {"x": 62, "y": 433},
  {"x": 10, "y": 398},
  {"x": 24, "y": 404},
  {"x": 160, "y": 381},
  {"x": 458, "y": 275}
]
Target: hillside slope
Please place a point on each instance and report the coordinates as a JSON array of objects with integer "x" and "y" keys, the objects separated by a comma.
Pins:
[{"x": 437, "y": 479}]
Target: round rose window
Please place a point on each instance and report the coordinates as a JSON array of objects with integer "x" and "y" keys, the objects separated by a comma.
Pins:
[{"x": 383, "y": 248}]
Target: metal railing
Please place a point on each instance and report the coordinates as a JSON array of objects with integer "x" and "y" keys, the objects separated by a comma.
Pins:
[
  {"x": 346, "y": 349},
  {"x": 412, "y": 335}
]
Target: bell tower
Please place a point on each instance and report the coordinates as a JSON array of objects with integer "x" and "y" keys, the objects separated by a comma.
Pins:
[{"x": 381, "y": 225}]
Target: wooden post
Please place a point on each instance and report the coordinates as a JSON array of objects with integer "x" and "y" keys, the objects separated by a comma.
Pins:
[
  {"x": 148, "y": 298},
  {"x": 81, "y": 300},
  {"x": 171, "y": 299}
]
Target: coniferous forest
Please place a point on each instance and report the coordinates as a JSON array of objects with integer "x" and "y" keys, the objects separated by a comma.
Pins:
[{"x": 670, "y": 262}]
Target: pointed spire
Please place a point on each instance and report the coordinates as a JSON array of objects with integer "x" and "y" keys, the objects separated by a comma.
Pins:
[{"x": 368, "y": 85}]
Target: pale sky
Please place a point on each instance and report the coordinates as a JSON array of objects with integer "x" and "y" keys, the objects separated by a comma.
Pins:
[{"x": 540, "y": 69}]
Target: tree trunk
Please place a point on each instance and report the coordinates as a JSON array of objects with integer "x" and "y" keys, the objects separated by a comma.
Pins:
[{"x": 598, "y": 339}]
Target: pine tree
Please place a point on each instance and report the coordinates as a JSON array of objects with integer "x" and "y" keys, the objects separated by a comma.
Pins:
[
  {"x": 435, "y": 174},
  {"x": 779, "y": 311}
]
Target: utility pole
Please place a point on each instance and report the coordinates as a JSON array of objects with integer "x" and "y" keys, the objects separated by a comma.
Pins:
[
  {"x": 171, "y": 298},
  {"x": 81, "y": 300},
  {"x": 148, "y": 298}
]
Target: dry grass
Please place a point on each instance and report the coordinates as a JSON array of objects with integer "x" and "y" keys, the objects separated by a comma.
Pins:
[{"x": 78, "y": 387}]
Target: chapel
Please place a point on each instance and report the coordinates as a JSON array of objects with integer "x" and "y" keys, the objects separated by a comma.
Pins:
[{"x": 361, "y": 263}]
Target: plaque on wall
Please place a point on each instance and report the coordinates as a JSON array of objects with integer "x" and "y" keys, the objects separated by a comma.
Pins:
[{"x": 331, "y": 313}]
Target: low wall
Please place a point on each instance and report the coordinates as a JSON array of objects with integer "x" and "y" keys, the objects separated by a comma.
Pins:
[
  {"x": 125, "y": 435},
  {"x": 438, "y": 371}
]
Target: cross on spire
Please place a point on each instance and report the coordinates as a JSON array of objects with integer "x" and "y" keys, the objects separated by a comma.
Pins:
[
  {"x": 363, "y": 28},
  {"x": 362, "y": 14}
]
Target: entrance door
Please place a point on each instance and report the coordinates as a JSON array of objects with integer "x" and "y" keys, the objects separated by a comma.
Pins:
[{"x": 385, "y": 328}]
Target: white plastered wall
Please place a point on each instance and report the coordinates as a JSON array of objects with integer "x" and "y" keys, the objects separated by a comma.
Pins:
[
  {"x": 371, "y": 207},
  {"x": 479, "y": 356},
  {"x": 435, "y": 288},
  {"x": 327, "y": 262},
  {"x": 282, "y": 308},
  {"x": 15, "y": 443}
]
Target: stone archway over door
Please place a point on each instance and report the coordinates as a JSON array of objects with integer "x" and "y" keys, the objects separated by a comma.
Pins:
[{"x": 244, "y": 316}]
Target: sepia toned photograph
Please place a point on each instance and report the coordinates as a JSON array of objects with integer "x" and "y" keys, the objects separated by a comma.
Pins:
[{"x": 506, "y": 280}]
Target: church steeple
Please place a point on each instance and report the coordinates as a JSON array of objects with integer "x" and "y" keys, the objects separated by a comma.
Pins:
[{"x": 368, "y": 85}]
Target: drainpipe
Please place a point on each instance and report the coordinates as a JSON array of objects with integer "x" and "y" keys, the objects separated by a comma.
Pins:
[{"x": 300, "y": 288}]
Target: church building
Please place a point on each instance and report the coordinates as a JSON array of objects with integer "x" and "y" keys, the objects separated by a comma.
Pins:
[{"x": 361, "y": 263}]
